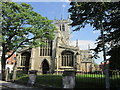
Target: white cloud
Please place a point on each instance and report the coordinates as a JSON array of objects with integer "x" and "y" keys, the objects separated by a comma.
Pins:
[
  {"x": 63, "y": 5},
  {"x": 83, "y": 44},
  {"x": 64, "y": 0},
  {"x": 96, "y": 31}
]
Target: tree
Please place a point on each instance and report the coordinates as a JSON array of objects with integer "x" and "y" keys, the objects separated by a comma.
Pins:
[
  {"x": 114, "y": 59},
  {"x": 98, "y": 15},
  {"x": 22, "y": 27}
]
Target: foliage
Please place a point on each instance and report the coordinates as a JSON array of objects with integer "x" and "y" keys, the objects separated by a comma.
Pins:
[
  {"x": 102, "y": 16},
  {"x": 23, "y": 27},
  {"x": 115, "y": 52}
]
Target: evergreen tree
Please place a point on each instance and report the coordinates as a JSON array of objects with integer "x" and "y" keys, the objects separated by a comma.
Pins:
[{"x": 102, "y": 16}]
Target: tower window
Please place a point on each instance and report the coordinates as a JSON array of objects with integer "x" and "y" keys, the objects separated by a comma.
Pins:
[
  {"x": 63, "y": 27},
  {"x": 60, "y": 28}
]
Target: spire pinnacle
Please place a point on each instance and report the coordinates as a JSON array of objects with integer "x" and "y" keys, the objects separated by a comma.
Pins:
[
  {"x": 76, "y": 43},
  {"x": 61, "y": 17},
  {"x": 88, "y": 46},
  {"x": 68, "y": 16}
]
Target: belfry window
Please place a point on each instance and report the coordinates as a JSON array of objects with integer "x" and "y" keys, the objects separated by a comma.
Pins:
[
  {"x": 46, "y": 50},
  {"x": 60, "y": 28},
  {"x": 67, "y": 58},
  {"x": 63, "y": 27}
]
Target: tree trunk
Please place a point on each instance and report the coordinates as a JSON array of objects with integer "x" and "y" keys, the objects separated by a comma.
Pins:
[{"x": 3, "y": 61}]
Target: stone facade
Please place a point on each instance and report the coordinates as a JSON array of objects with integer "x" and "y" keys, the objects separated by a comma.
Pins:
[{"x": 57, "y": 55}]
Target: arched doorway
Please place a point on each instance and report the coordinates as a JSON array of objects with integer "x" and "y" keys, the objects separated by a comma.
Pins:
[{"x": 45, "y": 67}]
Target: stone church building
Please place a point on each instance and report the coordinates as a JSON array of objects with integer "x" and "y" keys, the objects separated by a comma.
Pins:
[{"x": 57, "y": 55}]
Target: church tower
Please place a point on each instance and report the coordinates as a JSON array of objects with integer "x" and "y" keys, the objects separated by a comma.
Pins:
[{"x": 63, "y": 29}]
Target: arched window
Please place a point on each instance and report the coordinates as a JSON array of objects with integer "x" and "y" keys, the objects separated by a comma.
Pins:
[
  {"x": 60, "y": 28},
  {"x": 47, "y": 49},
  {"x": 63, "y": 27},
  {"x": 25, "y": 60},
  {"x": 67, "y": 58}
]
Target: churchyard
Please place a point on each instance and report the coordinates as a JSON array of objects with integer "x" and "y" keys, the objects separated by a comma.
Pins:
[{"x": 82, "y": 80}]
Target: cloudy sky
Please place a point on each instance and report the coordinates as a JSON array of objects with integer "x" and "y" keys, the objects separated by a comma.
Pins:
[{"x": 86, "y": 36}]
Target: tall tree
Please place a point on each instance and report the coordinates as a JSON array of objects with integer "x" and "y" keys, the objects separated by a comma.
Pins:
[
  {"x": 21, "y": 27},
  {"x": 102, "y": 16}
]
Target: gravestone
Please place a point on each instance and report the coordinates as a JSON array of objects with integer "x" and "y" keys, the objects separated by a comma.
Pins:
[
  {"x": 32, "y": 77},
  {"x": 69, "y": 79}
]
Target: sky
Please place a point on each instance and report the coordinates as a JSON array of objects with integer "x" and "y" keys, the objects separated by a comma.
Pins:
[{"x": 86, "y": 36}]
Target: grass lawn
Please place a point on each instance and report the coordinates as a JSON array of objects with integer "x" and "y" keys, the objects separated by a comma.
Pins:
[
  {"x": 50, "y": 80},
  {"x": 22, "y": 78},
  {"x": 89, "y": 81}
]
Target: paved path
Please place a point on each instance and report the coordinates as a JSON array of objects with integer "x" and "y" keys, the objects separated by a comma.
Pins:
[{"x": 12, "y": 86}]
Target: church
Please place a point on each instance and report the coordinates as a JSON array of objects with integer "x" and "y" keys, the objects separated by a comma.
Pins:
[{"x": 57, "y": 55}]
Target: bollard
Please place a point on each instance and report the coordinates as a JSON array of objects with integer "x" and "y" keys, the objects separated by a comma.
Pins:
[
  {"x": 68, "y": 79},
  {"x": 32, "y": 77}
]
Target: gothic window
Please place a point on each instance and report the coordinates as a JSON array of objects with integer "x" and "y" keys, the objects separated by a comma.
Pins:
[
  {"x": 46, "y": 50},
  {"x": 63, "y": 27},
  {"x": 25, "y": 57},
  {"x": 60, "y": 28},
  {"x": 67, "y": 58}
]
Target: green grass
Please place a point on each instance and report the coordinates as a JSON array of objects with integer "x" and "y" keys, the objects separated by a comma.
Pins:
[
  {"x": 21, "y": 78},
  {"x": 89, "y": 81},
  {"x": 50, "y": 80},
  {"x": 90, "y": 75}
]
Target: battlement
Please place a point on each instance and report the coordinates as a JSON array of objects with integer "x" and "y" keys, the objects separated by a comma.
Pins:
[{"x": 56, "y": 21}]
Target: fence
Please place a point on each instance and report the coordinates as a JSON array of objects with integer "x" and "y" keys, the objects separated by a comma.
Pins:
[
  {"x": 90, "y": 80},
  {"x": 115, "y": 79},
  {"x": 97, "y": 79}
]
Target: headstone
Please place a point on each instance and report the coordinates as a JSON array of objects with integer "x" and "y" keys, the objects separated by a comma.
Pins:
[
  {"x": 69, "y": 79},
  {"x": 32, "y": 77}
]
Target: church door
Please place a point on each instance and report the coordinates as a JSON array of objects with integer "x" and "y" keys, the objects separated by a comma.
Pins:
[{"x": 45, "y": 67}]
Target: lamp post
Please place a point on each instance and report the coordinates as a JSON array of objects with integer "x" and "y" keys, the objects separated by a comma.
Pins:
[{"x": 106, "y": 66}]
